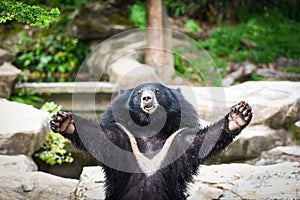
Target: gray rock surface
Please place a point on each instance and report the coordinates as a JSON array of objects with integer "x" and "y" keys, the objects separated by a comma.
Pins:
[
  {"x": 127, "y": 44},
  {"x": 280, "y": 154},
  {"x": 35, "y": 186},
  {"x": 8, "y": 74},
  {"x": 91, "y": 184},
  {"x": 226, "y": 181},
  {"x": 20, "y": 180},
  {"x": 243, "y": 181},
  {"x": 98, "y": 20},
  {"x": 23, "y": 128},
  {"x": 17, "y": 163},
  {"x": 126, "y": 72},
  {"x": 251, "y": 142},
  {"x": 275, "y": 104},
  {"x": 5, "y": 56}
]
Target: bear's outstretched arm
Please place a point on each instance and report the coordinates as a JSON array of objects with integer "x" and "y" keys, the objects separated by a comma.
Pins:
[
  {"x": 64, "y": 123},
  {"x": 218, "y": 136}
]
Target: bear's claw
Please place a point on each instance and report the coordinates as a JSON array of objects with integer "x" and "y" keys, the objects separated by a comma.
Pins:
[
  {"x": 62, "y": 122},
  {"x": 239, "y": 116}
]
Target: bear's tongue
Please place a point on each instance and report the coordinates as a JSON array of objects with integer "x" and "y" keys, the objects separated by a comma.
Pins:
[{"x": 148, "y": 107}]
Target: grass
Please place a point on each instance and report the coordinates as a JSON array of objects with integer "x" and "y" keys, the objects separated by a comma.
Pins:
[{"x": 270, "y": 36}]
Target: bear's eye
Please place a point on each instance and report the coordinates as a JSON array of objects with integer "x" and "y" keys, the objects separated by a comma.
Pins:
[
  {"x": 157, "y": 91},
  {"x": 139, "y": 94}
]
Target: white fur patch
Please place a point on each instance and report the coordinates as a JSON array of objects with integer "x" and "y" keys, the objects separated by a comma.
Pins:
[{"x": 149, "y": 166}]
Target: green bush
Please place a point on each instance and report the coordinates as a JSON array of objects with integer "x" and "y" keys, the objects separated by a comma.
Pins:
[
  {"x": 191, "y": 26},
  {"x": 137, "y": 14},
  {"x": 27, "y": 97},
  {"x": 32, "y": 15},
  {"x": 50, "y": 54},
  {"x": 272, "y": 35}
]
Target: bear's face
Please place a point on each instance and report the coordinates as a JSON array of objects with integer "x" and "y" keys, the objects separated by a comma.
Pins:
[{"x": 150, "y": 101}]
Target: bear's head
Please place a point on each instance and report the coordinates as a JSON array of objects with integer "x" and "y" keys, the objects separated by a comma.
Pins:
[{"x": 153, "y": 103}]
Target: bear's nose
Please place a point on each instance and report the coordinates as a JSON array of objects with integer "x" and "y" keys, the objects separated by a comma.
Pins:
[{"x": 147, "y": 97}]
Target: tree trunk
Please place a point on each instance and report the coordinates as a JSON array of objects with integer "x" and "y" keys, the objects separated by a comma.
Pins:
[{"x": 156, "y": 54}]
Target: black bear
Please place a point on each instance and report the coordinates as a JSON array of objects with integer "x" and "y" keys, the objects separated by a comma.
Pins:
[{"x": 150, "y": 142}]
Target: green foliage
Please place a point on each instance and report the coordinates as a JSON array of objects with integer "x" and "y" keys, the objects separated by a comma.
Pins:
[
  {"x": 274, "y": 35},
  {"x": 51, "y": 107},
  {"x": 63, "y": 5},
  {"x": 191, "y": 26},
  {"x": 27, "y": 97},
  {"x": 137, "y": 14},
  {"x": 254, "y": 77},
  {"x": 50, "y": 54},
  {"x": 197, "y": 69},
  {"x": 293, "y": 69},
  {"x": 176, "y": 7},
  {"x": 53, "y": 150},
  {"x": 32, "y": 15},
  {"x": 292, "y": 128}
]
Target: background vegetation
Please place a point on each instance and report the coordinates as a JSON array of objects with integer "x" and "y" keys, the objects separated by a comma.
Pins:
[
  {"x": 259, "y": 31},
  {"x": 270, "y": 28}
]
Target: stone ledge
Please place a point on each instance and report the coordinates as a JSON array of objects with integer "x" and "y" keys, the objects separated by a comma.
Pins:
[{"x": 69, "y": 87}]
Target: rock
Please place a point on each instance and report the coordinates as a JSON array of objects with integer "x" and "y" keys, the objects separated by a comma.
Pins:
[
  {"x": 35, "y": 185},
  {"x": 253, "y": 141},
  {"x": 273, "y": 74},
  {"x": 243, "y": 181},
  {"x": 23, "y": 128},
  {"x": 5, "y": 56},
  {"x": 20, "y": 180},
  {"x": 8, "y": 74},
  {"x": 123, "y": 53},
  {"x": 18, "y": 163},
  {"x": 275, "y": 104},
  {"x": 78, "y": 97},
  {"x": 226, "y": 181},
  {"x": 245, "y": 69},
  {"x": 288, "y": 62},
  {"x": 129, "y": 43},
  {"x": 126, "y": 72},
  {"x": 91, "y": 184},
  {"x": 98, "y": 20},
  {"x": 280, "y": 154}
]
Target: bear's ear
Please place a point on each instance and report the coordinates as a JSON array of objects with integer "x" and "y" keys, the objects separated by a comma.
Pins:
[
  {"x": 122, "y": 91},
  {"x": 178, "y": 90}
]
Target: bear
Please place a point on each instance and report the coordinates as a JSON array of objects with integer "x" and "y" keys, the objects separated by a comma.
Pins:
[{"x": 150, "y": 142}]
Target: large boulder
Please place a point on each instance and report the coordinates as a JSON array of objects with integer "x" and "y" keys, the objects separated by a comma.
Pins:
[
  {"x": 275, "y": 104},
  {"x": 243, "y": 181},
  {"x": 226, "y": 181},
  {"x": 17, "y": 163},
  {"x": 126, "y": 72},
  {"x": 280, "y": 154},
  {"x": 98, "y": 20},
  {"x": 128, "y": 44},
  {"x": 35, "y": 185},
  {"x": 253, "y": 141},
  {"x": 91, "y": 184},
  {"x": 23, "y": 128},
  {"x": 8, "y": 75},
  {"x": 20, "y": 180},
  {"x": 5, "y": 56}
]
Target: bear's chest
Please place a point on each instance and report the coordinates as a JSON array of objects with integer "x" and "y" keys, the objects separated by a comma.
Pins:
[{"x": 150, "y": 145}]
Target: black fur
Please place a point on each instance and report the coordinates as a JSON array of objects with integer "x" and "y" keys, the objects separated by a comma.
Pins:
[{"x": 151, "y": 132}]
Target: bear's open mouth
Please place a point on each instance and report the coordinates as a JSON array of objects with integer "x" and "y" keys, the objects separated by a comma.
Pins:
[{"x": 149, "y": 108}]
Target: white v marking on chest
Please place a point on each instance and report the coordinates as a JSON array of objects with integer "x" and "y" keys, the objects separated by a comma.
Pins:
[{"x": 149, "y": 166}]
